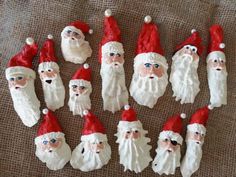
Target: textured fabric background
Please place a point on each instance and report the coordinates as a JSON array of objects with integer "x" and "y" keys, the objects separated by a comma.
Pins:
[{"x": 20, "y": 19}]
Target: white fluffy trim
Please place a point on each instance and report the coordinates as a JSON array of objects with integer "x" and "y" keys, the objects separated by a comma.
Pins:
[
  {"x": 115, "y": 47},
  {"x": 125, "y": 124},
  {"x": 48, "y": 65},
  {"x": 197, "y": 128},
  {"x": 94, "y": 137},
  {"x": 19, "y": 70},
  {"x": 172, "y": 135},
  {"x": 216, "y": 54},
  {"x": 80, "y": 82},
  {"x": 48, "y": 136}
]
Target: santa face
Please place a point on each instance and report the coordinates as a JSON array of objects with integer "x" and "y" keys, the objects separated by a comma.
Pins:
[
  {"x": 115, "y": 60},
  {"x": 74, "y": 47},
  {"x": 53, "y": 151},
  {"x": 48, "y": 75},
  {"x": 24, "y": 98},
  {"x": 168, "y": 156},
  {"x": 184, "y": 77},
  {"x": 133, "y": 148},
  {"x": 149, "y": 82},
  {"x": 91, "y": 155},
  {"x": 79, "y": 97}
]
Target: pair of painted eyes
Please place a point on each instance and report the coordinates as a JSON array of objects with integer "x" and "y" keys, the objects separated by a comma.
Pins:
[
  {"x": 173, "y": 142},
  {"x": 97, "y": 143},
  {"x": 49, "y": 70},
  {"x": 113, "y": 54},
  {"x": 197, "y": 133},
  {"x": 128, "y": 132},
  {"x": 194, "y": 49},
  {"x": 148, "y": 65},
  {"x": 81, "y": 87},
  {"x": 222, "y": 61},
  {"x": 45, "y": 142},
  {"x": 75, "y": 33},
  {"x": 17, "y": 78}
]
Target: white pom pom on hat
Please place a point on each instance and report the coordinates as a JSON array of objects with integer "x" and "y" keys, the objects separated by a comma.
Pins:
[
  {"x": 127, "y": 107},
  {"x": 50, "y": 36},
  {"x": 183, "y": 115},
  {"x": 86, "y": 65},
  {"x": 90, "y": 31},
  {"x": 210, "y": 107},
  {"x": 45, "y": 111},
  {"x": 108, "y": 13},
  {"x": 29, "y": 40},
  {"x": 85, "y": 112},
  {"x": 193, "y": 31},
  {"x": 148, "y": 19},
  {"x": 222, "y": 45}
]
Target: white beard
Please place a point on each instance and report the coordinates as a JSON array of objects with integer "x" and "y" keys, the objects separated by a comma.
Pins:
[
  {"x": 184, "y": 78},
  {"x": 192, "y": 159},
  {"x": 78, "y": 104},
  {"x": 75, "y": 51},
  {"x": 54, "y": 93},
  {"x": 146, "y": 91},
  {"x": 55, "y": 160},
  {"x": 217, "y": 82},
  {"x": 166, "y": 162},
  {"x": 88, "y": 160},
  {"x": 134, "y": 155},
  {"x": 26, "y": 103},
  {"x": 114, "y": 91}
]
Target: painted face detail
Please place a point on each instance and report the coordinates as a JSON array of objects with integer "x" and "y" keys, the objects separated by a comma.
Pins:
[
  {"x": 79, "y": 90},
  {"x": 149, "y": 69},
  {"x": 115, "y": 59},
  {"x": 96, "y": 147},
  {"x": 217, "y": 64},
  {"x": 51, "y": 145},
  {"x": 170, "y": 145},
  {"x": 133, "y": 134},
  {"x": 17, "y": 82},
  {"x": 73, "y": 35},
  {"x": 48, "y": 75},
  {"x": 190, "y": 50},
  {"x": 196, "y": 136}
]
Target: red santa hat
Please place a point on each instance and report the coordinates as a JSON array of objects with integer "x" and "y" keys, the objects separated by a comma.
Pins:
[
  {"x": 21, "y": 63},
  {"x": 93, "y": 129},
  {"x": 199, "y": 119},
  {"x": 216, "y": 44},
  {"x": 111, "y": 41},
  {"x": 172, "y": 128},
  {"x": 47, "y": 57},
  {"x": 193, "y": 40},
  {"x": 148, "y": 46},
  {"x": 82, "y": 76},
  {"x": 49, "y": 127},
  {"x": 80, "y": 27}
]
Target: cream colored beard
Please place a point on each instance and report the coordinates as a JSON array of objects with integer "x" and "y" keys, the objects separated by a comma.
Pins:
[
  {"x": 54, "y": 93},
  {"x": 166, "y": 162},
  {"x": 88, "y": 160},
  {"x": 26, "y": 104}
]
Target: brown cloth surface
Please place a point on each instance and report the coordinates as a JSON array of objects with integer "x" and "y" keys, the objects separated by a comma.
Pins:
[{"x": 20, "y": 19}]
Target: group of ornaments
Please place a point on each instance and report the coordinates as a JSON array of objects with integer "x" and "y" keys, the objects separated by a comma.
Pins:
[{"x": 149, "y": 82}]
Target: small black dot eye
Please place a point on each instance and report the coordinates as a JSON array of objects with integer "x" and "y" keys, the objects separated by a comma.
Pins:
[
  {"x": 112, "y": 54},
  {"x": 197, "y": 133},
  {"x": 82, "y": 87},
  {"x": 193, "y": 49},
  {"x": 215, "y": 61},
  {"x": 187, "y": 47},
  {"x": 49, "y": 70},
  {"x": 68, "y": 31},
  {"x": 45, "y": 142},
  {"x": 53, "y": 140},
  {"x": 166, "y": 139},
  {"x": 12, "y": 79},
  {"x": 128, "y": 132},
  {"x": 19, "y": 78},
  {"x": 136, "y": 131},
  {"x": 74, "y": 86},
  {"x": 42, "y": 71},
  {"x": 156, "y": 65},
  {"x": 174, "y": 143},
  {"x": 118, "y": 54},
  {"x": 222, "y": 61},
  {"x": 148, "y": 65},
  {"x": 76, "y": 33},
  {"x": 100, "y": 142}
]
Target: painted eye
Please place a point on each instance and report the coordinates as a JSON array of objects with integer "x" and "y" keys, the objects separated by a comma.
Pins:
[
  {"x": 136, "y": 131},
  {"x": 128, "y": 132},
  {"x": 197, "y": 133},
  {"x": 49, "y": 70},
  {"x": 166, "y": 140},
  {"x": 19, "y": 78},
  {"x": 53, "y": 141},
  {"x": 194, "y": 49},
  {"x": 12, "y": 79},
  {"x": 222, "y": 61},
  {"x": 203, "y": 135},
  {"x": 82, "y": 87},
  {"x": 118, "y": 54},
  {"x": 76, "y": 34},
  {"x": 42, "y": 71},
  {"x": 215, "y": 61},
  {"x": 74, "y": 86},
  {"x": 187, "y": 47},
  {"x": 45, "y": 142},
  {"x": 112, "y": 54},
  {"x": 156, "y": 65},
  {"x": 174, "y": 142},
  {"x": 68, "y": 31},
  {"x": 100, "y": 142},
  {"x": 148, "y": 65}
]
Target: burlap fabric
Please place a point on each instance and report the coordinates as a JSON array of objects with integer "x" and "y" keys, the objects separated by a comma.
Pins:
[{"x": 20, "y": 19}]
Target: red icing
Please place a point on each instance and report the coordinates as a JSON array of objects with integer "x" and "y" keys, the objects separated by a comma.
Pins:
[
  {"x": 84, "y": 27},
  {"x": 216, "y": 35},
  {"x": 200, "y": 116},
  {"x": 129, "y": 115},
  {"x": 47, "y": 53},
  {"x": 83, "y": 73},
  {"x": 174, "y": 124}
]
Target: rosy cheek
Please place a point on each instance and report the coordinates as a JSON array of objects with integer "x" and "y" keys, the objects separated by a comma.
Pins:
[
  {"x": 119, "y": 59},
  {"x": 108, "y": 59},
  {"x": 136, "y": 135},
  {"x": 222, "y": 65},
  {"x": 195, "y": 56},
  {"x": 127, "y": 136},
  {"x": 51, "y": 74},
  {"x": 143, "y": 71},
  {"x": 22, "y": 82},
  {"x": 159, "y": 71},
  {"x": 175, "y": 148}
]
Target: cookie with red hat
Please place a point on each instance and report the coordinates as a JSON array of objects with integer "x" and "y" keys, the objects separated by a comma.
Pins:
[
  {"x": 216, "y": 67},
  {"x": 49, "y": 73},
  {"x": 94, "y": 151},
  {"x": 134, "y": 150},
  {"x": 21, "y": 76},
  {"x": 74, "y": 47},
  {"x": 111, "y": 57},
  {"x": 80, "y": 90},
  {"x": 168, "y": 151},
  {"x": 196, "y": 131},
  {"x": 150, "y": 76},
  {"x": 51, "y": 146},
  {"x": 184, "y": 76}
]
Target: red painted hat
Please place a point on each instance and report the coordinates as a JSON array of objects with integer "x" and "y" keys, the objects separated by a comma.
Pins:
[
  {"x": 92, "y": 124},
  {"x": 129, "y": 114},
  {"x": 49, "y": 123},
  {"x": 47, "y": 53},
  {"x": 83, "y": 72},
  {"x": 201, "y": 116},
  {"x": 25, "y": 57},
  {"x": 174, "y": 123},
  {"x": 216, "y": 43},
  {"x": 194, "y": 40},
  {"x": 149, "y": 39},
  {"x": 82, "y": 26}
]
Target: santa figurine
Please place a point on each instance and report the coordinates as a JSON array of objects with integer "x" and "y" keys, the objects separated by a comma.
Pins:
[
  {"x": 80, "y": 89},
  {"x": 183, "y": 76},
  {"x": 216, "y": 68},
  {"x": 21, "y": 76},
  {"x": 49, "y": 73},
  {"x": 196, "y": 131},
  {"x": 150, "y": 77},
  {"x": 51, "y": 146},
  {"x": 111, "y": 57},
  {"x": 168, "y": 151},
  {"x": 134, "y": 150},
  {"x": 94, "y": 151},
  {"x": 73, "y": 45}
]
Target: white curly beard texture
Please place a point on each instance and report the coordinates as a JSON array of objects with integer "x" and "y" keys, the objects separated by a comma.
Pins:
[
  {"x": 114, "y": 91},
  {"x": 78, "y": 104},
  {"x": 146, "y": 91},
  {"x": 55, "y": 160},
  {"x": 166, "y": 162},
  {"x": 86, "y": 160},
  {"x": 134, "y": 154},
  {"x": 26, "y": 103},
  {"x": 192, "y": 159},
  {"x": 217, "y": 82},
  {"x": 75, "y": 51},
  {"x": 54, "y": 93},
  {"x": 184, "y": 78}
]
